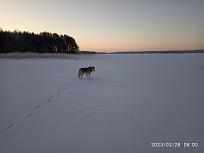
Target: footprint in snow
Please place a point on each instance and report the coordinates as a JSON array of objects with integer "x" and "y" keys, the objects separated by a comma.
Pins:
[
  {"x": 10, "y": 126},
  {"x": 36, "y": 107},
  {"x": 58, "y": 92},
  {"x": 49, "y": 100},
  {"x": 28, "y": 115}
]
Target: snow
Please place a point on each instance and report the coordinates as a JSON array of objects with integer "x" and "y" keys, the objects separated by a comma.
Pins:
[{"x": 129, "y": 102}]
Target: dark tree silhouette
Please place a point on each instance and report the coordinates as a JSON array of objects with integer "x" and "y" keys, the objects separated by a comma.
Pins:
[{"x": 45, "y": 42}]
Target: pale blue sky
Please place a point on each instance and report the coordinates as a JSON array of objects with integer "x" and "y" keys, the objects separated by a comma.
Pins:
[{"x": 112, "y": 25}]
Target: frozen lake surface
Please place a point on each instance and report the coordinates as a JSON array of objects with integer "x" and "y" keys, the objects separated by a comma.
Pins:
[{"x": 128, "y": 103}]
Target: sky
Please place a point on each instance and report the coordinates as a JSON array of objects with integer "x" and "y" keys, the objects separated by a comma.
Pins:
[{"x": 112, "y": 25}]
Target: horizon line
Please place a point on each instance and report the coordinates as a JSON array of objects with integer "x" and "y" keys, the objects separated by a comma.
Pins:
[{"x": 169, "y": 50}]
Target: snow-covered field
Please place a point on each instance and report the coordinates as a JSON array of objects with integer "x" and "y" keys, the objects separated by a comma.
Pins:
[{"x": 128, "y": 103}]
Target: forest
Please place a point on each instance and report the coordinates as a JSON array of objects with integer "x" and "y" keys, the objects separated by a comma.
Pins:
[{"x": 44, "y": 42}]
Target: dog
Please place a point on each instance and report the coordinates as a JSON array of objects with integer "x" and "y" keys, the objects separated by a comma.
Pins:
[{"x": 86, "y": 70}]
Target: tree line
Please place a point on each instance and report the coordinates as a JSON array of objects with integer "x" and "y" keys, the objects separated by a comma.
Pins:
[{"x": 44, "y": 42}]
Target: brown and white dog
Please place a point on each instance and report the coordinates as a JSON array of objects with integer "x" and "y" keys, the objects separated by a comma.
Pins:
[{"x": 86, "y": 70}]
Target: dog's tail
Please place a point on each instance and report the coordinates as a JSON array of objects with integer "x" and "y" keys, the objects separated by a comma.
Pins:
[{"x": 79, "y": 74}]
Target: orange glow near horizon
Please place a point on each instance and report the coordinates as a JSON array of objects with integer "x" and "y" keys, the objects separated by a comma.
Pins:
[{"x": 139, "y": 45}]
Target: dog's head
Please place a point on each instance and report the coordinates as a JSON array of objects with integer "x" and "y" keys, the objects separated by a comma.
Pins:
[{"x": 92, "y": 68}]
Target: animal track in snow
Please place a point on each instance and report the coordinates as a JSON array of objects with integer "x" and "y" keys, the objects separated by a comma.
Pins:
[
  {"x": 10, "y": 126},
  {"x": 36, "y": 107},
  {"x": 49, "y": 100},
  {"x": 28, "y": 115},
  {"x": 59, "y": 91}
]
